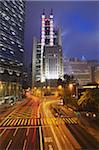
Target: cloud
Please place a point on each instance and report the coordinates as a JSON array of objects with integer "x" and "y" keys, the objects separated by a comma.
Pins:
[{"x": 64, "y": 33}]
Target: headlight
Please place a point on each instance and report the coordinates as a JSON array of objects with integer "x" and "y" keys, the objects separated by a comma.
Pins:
[
  {"x": 94, "y": 115},
  {"x": 87, "y": 114}
]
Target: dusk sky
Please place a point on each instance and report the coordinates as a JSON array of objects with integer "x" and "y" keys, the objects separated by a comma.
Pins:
[{"x": 79, "y": 22}]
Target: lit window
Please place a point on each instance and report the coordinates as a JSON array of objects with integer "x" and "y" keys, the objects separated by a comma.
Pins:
[
  {"x": 13, "y": 24},
  {"x": 5, "y": 3},
  {"x": 21, "y": 12},
  {"x": 12, "y": 42},
  {"x": 13, "y": 33},
  {"x": 11, "y": 52},
  {"x": 19, "y": 45},
  {"x": 21, "y": 64},
  {"x": 20, "y": 29},
  {"x": 2, "y": 60},
  {"x": 7, "y": 18},
  {"x": 3, "y": 14},
  {"x": 7, "y": 9},
  {"x": 21, "y": 50},
  {"x": 4, "y": 38},
  {"x": 3, "y": 49},
  {"x": 1, "y": 70},
  {"x": 1, "y": 44},
  {"x": 5, "y": 28},
  {"x": 20, "y": 20}
]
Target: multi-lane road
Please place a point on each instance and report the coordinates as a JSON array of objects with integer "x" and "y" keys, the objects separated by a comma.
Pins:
[{"x": 33, "y": 125}]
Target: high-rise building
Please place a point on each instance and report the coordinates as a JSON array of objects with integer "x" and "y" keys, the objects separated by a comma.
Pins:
[
  {"x": 11, "y": 45},
  {"x": 36, "y": 61},
  {"x": 50, "y": 49}
]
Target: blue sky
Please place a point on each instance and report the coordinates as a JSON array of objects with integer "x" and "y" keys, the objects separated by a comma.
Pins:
[{"x": 79, "y": 22}]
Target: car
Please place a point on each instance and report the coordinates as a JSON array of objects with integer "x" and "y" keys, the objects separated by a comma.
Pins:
[{"x": 91, "y": 114}]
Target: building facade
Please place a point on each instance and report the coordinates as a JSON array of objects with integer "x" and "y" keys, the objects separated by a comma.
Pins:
[
  {"x": 36, "y": 61},
  {"x": 82, "y": 70},
  {"x": 53, "y": 62},
  {"x": 11, "y": 46},
  {"x": 47, "y": 50},
  {"x": 96, "y": 73}
]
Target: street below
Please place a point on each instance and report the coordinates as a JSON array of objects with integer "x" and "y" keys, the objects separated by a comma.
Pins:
[{"x": 36, "y": 123}]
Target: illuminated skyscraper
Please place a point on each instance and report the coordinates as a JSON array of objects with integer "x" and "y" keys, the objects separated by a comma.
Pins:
[
  {"x": 50, "y": 39},
  {"x": 50, "y": 47}
]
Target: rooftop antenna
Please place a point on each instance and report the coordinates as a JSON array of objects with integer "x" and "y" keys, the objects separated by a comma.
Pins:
[
  {"x": 43, "y": 11},
  {"x": 51, "y": 11}
]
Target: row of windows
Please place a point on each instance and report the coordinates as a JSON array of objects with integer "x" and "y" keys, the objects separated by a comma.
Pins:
[
  {"x": 12, "y": 40},
  {"x": 12, "y": 32},
  {"x": 9, "y": 18},
  {"x": 11, "y": 43},
  {"x": 6, "y": 59},
  {"x": 17, "y": 39},
  {"x": 5, "y": 36},
  {"x": 15, "y": 7}
]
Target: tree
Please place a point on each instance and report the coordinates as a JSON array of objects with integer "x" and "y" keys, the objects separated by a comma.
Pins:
[{"x": 89, "y": 100}]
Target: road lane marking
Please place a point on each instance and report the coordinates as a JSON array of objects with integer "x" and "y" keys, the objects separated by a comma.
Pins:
[
  {"x": 27, "y": 132},
  {"x": 45, "y": 121},
  {"x": 48, "y": 139},
  {"x": 5, "y": 122},
  {"x": 74, "y": 120},
  {"x": 9, "y": 145},
  {"x": 16, "y": 122},
  {"x": 22, "y": 122},
  {"x": 12, "y": 122},
  {"x": 31, "y": 121},
  {"x": 56, "y": 139},
  {"x": 41, "y": 142},
  {"x": 19, "y": 121},
  {"x": 24, "y": 144},
  {"x": 42, "y": 121},
  {"x": 68, "y": 121},
  {"x": 2, "y": 132},
  {"x": 38, "y": 121},
  {"x": 15, "y": 132},
  {"x": 50, "y": 147},
  {"x": 25, "y": 122},
  {"x": 71, "y": 120},
  {"x": 9, "y": 122}
]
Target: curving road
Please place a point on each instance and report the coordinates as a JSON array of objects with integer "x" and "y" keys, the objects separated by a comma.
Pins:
[{"x": 32, "y": 125}]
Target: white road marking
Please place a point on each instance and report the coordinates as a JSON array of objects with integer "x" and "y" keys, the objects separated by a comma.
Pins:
[
  {"x": 9, "y": 145},
  {"x": 15, "y": 132},
  {"x": 40, "y": 133},
  {"x": 2, "y": 132},
  {"x": 48, "y": 139},
  {"x": 5, "y": 122},
  {"x": 24, "y": 144},
  {"x": 50, "y": 147},
  {"x": 27, "y": 132}
]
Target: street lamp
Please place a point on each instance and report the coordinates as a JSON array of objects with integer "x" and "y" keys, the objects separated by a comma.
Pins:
[
  {"x": 70, "y": 86},
  {"x": 48, "y": 87},
  {"x": 60, "y": 87}
]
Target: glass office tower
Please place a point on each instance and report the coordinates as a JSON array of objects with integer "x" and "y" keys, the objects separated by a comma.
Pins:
[{"x": 11, "y": 47}]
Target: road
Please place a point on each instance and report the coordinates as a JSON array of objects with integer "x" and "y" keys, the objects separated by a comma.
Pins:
[{"x": 32, "y": 125}]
